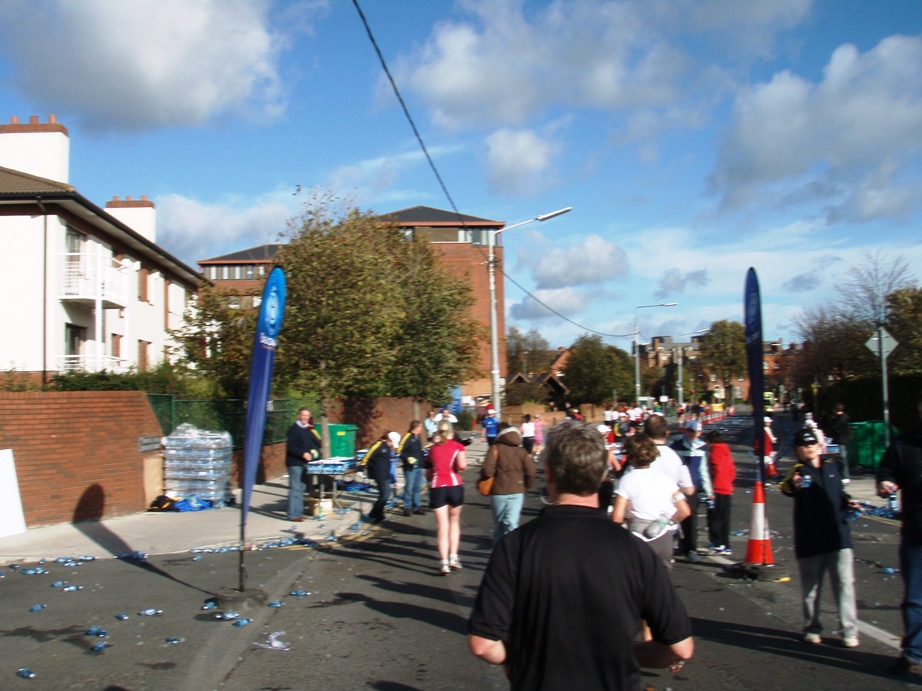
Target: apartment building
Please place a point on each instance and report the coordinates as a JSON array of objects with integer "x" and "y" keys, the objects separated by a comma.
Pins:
[{"x": 87, "y": 288}]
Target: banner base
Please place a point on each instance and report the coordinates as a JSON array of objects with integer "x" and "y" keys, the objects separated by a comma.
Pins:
[{"x": 234, "y": 599}]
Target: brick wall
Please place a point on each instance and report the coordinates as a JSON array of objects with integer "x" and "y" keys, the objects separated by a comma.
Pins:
[{"x": 76, "y": 453}]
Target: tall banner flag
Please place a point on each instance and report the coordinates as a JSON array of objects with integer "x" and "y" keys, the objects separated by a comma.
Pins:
[
  {"x": 271, "y": 311},
  {"x": 753, "y": 317}
]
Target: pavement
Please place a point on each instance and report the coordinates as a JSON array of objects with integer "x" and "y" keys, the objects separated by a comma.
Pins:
[{"x": 169, "y": 532}]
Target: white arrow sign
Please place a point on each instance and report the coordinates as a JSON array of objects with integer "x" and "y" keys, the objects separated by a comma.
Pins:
[{"x": 889, "y": 343}]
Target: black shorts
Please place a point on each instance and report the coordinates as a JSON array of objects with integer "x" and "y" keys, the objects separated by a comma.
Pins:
[{"x": 442, "y": 496}]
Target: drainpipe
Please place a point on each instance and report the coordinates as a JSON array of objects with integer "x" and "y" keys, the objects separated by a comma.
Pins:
[{"x": 44, "y": 291}]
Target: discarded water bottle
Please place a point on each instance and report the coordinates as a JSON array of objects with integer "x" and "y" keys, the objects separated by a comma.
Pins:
[
  {"x": 893, "y": 502},
  {"x": 150, "y": 612},
  {"x": 172, "y": 640},
  {"x": 656, "y": 528},
  {"x": 59, "y": 584},
  {"x": 37, "y": 608},
  {"x": 889, "y": 570},
  {"x": 97, "y": 631},
  {"x": 242, "y": 622},
  {"x": 121, "y": 616},
  {"x": 210, "y": 605},
  {"x": 25, "y": 673},
  {"x": 806, "y": 481},
  {"x": 72, "y": 588},
  {"x": 275, "y": 604},
  {"x": 99, "y": 647},
  {"x": 300, "y": 593},
  {"x": 227, "y": 616}
]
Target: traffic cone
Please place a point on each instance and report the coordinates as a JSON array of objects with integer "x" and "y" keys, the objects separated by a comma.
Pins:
[
  {"x": 759, "y": 549},
  {"x": 770, "y": 469}
]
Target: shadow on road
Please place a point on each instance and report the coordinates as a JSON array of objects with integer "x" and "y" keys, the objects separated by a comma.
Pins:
[{"x": 403, "y": 610}]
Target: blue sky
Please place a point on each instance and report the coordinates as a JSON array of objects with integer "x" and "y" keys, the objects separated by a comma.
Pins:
[{"x": 693, "y": 139}]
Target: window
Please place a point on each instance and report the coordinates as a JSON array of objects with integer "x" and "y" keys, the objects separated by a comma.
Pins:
[
  {"x": 262, "y": 270},
  {"x": 250, "y": 271},
  {"x": 143, "y": 355},
  {"x": 116, "y": 345},
  {"x": 74, "y": 338},
  {"x": 237, "y": 273},
  {"x": 225, "y": 272},
  {"x": 143, "y": 280},
  {"x": 480, "y": 237}
]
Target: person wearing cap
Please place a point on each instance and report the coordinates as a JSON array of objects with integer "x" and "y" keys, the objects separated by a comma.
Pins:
[
  {"x": 377, "y": 464},
  {"x": 489, "y": 427},
  {"x": 901, "y": 471},
  {"x": 693, "y": 453},
  {"x": 822, "y": 539}
]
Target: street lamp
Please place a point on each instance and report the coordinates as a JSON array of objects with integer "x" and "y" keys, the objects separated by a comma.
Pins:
[
  {"x": 682, "y": 357},
  {"x": 637, "y": 347},
  {"x": 494, "y": 337}
]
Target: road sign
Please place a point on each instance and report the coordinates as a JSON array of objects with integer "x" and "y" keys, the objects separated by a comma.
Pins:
[{"x": 889, "y": 343}]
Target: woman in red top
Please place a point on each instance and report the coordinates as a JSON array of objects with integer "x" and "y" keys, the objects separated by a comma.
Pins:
[
  {"x": 446, "y": 495},
  {"x": 723, "y": 472}
]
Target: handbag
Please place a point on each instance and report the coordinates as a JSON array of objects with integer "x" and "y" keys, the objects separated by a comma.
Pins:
[{"x": 485, "y": 486}]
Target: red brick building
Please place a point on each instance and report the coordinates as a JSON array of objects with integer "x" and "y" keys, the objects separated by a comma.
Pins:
[{"x": 460, "y": 240}]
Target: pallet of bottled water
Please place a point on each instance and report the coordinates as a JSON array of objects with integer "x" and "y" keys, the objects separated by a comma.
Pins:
[{"x": 198, "y": 463}]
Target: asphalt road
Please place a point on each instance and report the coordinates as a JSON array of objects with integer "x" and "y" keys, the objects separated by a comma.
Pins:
[{"x": 378, "y": 616}]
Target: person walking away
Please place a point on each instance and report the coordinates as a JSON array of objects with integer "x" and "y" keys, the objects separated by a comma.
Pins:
[
  {"x": 840, "y": 434},
  {"x": 302, "y": 446},
  {"x": 411, "y": 456},
  {"x": 539, "y": 436},
  {"x": 513, "y": 474},
  {"x": 822, "y": 539},
  {"x": 446, "y": 460},
  {"x": 723, "y": 473},
  {"x": 649, "y": 501},
  {"x": 901, "y": 471},
  {"x": 562, "y": 598},
  {"x": 771, "y": 470},
  {"x": 489, "y": 427},
  {"x": 691, "y": 450},
  {"x": 527, "y": 433},
  {"x": 378, "y": 466}
]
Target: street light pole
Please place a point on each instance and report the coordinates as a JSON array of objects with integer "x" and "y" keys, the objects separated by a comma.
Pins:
[
  {"x": 494, "y": 336},
  {"x": 681, "y": 386},
  {"x": 637, "y": 347}
]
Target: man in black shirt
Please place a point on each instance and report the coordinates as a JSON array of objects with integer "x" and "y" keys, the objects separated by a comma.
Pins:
[
  {"x": 563, "y": 596},
  {"x": 302, "y": 447}
]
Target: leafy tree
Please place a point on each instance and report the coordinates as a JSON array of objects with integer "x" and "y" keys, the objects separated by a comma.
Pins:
[
  {"x": 520, "y": 393},
  {"x": 723, "y": 351},
  {"x": 833, "y": 345},
  {"x": 905, "y": 324},
  {"x": 526, "y": 353},
  {"x": 593, "y": 370}
]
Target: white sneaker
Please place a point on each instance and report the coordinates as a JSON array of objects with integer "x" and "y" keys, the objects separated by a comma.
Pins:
[
  {"x": 850, "y": 641},
  {"x": 813, "y": 638},
  {"x": 455, "y": 563},
  {"x": 444, "y": 570}
]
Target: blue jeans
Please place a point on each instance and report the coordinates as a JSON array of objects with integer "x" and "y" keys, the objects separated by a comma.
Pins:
[
  {"x": 412, "y": 489},
  {"x": 506, "y": 511},
  {"x": 296, "y": 487},
  {"x": 911, "y": 571}
]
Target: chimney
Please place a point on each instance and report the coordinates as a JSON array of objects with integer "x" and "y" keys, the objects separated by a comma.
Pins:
[
  {"x": 139, "y": 214},
  {"x": 41, "y": 149}
]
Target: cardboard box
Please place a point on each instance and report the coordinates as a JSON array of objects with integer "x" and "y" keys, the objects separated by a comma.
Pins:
[{"x": 312, "y": 506}]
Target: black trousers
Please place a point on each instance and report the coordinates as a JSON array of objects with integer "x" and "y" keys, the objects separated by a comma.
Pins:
[
  {"x": 719, "y": 521},
  {"x": 689, "y": 541},
  {"x": 384, "y": 490}
]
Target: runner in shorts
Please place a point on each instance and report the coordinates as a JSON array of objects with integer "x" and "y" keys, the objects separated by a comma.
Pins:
[{"x": 446, "y": 495}]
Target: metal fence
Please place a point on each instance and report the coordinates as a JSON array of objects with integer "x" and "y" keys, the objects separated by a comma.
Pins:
[{"x": 227, "y": 415}]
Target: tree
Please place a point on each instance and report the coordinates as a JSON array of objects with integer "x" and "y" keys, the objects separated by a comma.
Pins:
[
  {"x": 867, "y": 285},
  {"x": 833, "y": 345},
  {"x": 723, "y": 351},
  {"x": 905, "y": 324},
  {"x": 594, "y": 370},
  {"x": 526, "y": 353}
]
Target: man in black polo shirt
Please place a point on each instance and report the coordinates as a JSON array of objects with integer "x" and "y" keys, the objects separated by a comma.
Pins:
[{"x": 563, "y": 597}]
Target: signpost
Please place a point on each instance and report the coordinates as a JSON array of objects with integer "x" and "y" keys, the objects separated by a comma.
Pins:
[{"x": 882, "y": 344}]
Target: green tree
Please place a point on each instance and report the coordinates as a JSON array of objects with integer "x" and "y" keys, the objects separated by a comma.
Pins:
[
  {"x": 723, "y": 351},
  {"x": 593, "y": 370},
  {"x": 905, "y": 324},
  {"x": 526, "y": 353}
]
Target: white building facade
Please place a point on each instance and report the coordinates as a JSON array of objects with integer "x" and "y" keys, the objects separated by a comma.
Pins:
[{"x": 86, "y": 288}]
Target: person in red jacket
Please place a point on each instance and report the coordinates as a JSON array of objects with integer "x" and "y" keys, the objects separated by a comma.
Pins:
[{"x": 723, "y": 472}]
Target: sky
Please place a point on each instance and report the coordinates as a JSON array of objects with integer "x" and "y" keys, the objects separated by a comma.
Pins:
[{"x": 693, "y": 139}]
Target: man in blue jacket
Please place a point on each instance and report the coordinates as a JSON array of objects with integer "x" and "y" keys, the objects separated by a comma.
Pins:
[
  {"x": 302, "y": 447},
  {"x": 822, "y": 539},
  {"x": 490, "y": 427},
  {"x": 693, "y": 453}
]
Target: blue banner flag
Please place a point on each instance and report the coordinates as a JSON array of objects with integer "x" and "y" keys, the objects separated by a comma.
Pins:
[
  {"x": 268, "y": 326},
  {"x": 752, "y": 302}
]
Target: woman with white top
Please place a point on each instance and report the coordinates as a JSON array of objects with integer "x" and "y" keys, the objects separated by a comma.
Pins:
[
  {"x": 651, "y": 502},
  {"x": 527, "y": 432}
]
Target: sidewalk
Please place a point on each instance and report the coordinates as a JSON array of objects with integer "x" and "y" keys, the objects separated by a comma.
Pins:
[{"x": 170, "y": 532}]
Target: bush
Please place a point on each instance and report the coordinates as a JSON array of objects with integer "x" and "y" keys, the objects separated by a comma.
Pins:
[{"x": 466, "y": 420}]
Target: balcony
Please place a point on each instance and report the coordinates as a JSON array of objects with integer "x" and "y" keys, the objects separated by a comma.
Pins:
[
  {"x": 87, "y": 278},
  {"x": 91, "y": 363}
]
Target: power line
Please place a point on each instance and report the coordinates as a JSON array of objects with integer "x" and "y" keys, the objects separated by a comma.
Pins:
[{"x": 435, "y": 170}]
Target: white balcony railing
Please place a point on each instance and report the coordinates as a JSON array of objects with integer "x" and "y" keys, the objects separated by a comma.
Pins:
[
  {"x": 86, "y": 278},
  {"x": 91, "y": 363}
]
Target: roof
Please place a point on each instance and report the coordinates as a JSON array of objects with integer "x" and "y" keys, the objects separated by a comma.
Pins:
[
  {"x": 253, "y": 254},
  {"x": 15, "y": 182},
  {"x": 50, "y": 196},
  {"x": 427, "y": 216}
]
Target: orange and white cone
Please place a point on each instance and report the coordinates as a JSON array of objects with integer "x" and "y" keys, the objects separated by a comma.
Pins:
[
  {"x": 770, "y": 469},
  {"x": 759, "y": 549}
]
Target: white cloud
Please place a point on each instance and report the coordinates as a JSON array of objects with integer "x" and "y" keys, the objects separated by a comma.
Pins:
[
  {"x": 193, "y": 230},
  {"x": 143, "y": 64},
  {"x": 567, "y": 301},
  {"x": 675, "y": 282},
  {"x": 845, "y": 142},
  {"x": 803, "y": 282},
  {"x": 519, "y": 161},
  {"x": 594, "y": 261}
]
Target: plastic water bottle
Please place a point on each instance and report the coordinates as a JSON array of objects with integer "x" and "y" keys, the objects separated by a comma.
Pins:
[
  {"x": 893, "y": 502},
  {"x": 806, "y": 481},
  {"x": 656, "y": 528},
  {"x": 25, "y": 673}
]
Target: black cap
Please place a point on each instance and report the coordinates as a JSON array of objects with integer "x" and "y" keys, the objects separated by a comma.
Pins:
[{"x": 805, "y": 437}]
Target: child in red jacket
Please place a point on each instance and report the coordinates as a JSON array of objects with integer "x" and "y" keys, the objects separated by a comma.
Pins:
[{"x": 723, "y": 472}]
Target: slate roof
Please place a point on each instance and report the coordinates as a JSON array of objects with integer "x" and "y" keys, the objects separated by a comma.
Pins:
[
  {"x": 427, "y": 216},
  {"x": 15, "y": 182},
  {"x": 253, "y": 254}
]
